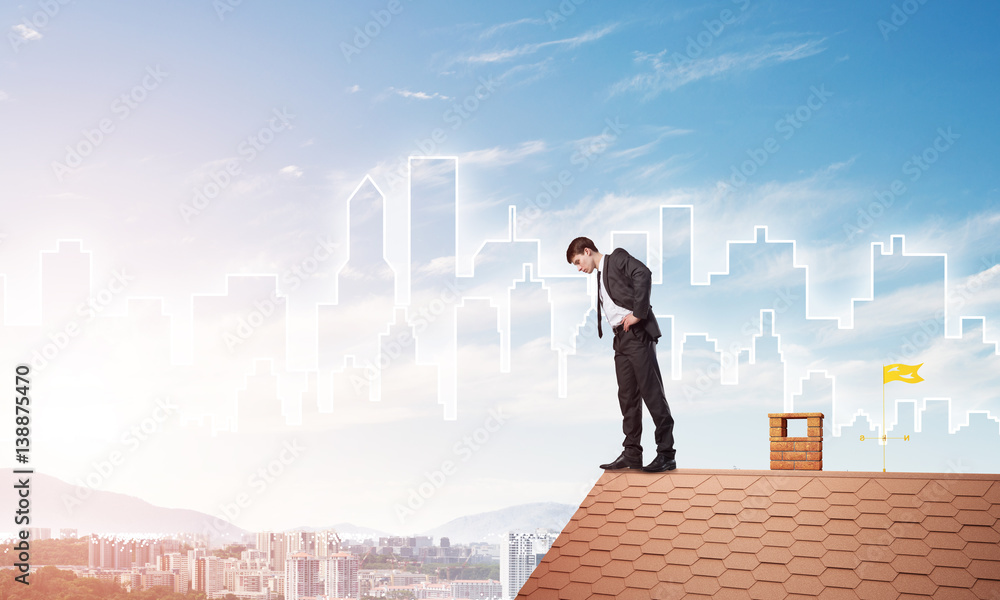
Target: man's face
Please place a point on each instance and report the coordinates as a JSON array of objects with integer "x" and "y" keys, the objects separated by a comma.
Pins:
[{"x": 585, "y": 262}]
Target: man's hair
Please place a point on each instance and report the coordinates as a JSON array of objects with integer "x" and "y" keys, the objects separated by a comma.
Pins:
[{"x": 577, "y": 246}]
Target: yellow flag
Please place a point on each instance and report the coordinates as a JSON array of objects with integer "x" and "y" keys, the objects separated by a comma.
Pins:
[{"x": 898, "y": 372}]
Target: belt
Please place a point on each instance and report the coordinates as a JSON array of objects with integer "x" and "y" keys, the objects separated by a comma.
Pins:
[{"x": 618, "y": 329}]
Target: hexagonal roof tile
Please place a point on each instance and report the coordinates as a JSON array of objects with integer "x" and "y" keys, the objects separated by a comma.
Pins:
[
  {"x": 911, "y": 547},
  {"x": 918, "y": 565},
  {"x": 976, "y": 517},
  {"x": 734, "y": 495},
  {"x": 840, "y": 578},
  {"x": 840, "y": 559},
  {"x": 981, "y": 551},
  {"x": 939, "y": 509},
  {"x": 649, "y": 562},
  {"x": 712, "y": 567},
  {"x": 908, "y": 583},
  {"x": 723, "y": 536},
  {"x": 803, "y": 584},
  {"x": 871, "y": 490},
  {"x": 675, "y": 573},
  {"x": 811, "y": 517},
  {"x": 701, "y": 584},
  {"x": 779, "y": 509},
  {"x": 611, "y": 586},
  {"x": 841, "y": 542},
  {"x": 774, "y": 554},
  {"x": 805, "y": 565},
  {"x": 983, "y": 569}
]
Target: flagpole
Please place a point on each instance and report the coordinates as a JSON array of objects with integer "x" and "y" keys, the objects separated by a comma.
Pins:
[{"x": 884, "y": 440}]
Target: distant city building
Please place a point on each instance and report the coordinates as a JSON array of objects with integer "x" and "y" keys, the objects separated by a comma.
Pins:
[
  {"x": 419, "y": 541},
  {"x": 520, "y": 553},
  {"x": 150, "y": 578},
  {"x": 477, "y": 589},
  {"x": 486, "y": 589},
  {"x": 192, "y": 562},
  {"x": 273, "y": 545},
  {"x": 176, "y": 563},
  {"x": 249, "y": 581},
  {"x": 113, "y": 576},
  {"x": 327, "y": 543},
  {"x": 340, "y": 575},
  {"x": 113, "y": 552},
  {"x": 302, "y": 578},
  {"x": 397, "y": 578},
  {"x": 300, "y": 541},
  {"x": 255, "y": 559},
  {"x": 369, "y": 579},
  {"x": 68, "y": 534},
  {"x": 208, "y": 576}
]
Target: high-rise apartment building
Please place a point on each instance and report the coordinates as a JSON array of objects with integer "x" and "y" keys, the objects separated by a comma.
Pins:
[
  {"x": 273, "y": 544},
  {"x": 520, "y": 553},
  {"x": 176, "y": 563},
  {"x": 340, "y": 575},
  {"x": 208, "y": 575},
  {"x": 111, "y": 552},
  {"x": 192, "y": 562},
  {"x": 302, "y": 578},
  {"x": 300, "y": 541}
]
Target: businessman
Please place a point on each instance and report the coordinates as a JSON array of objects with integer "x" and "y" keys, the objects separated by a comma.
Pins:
[{"x": 624, "y": 285}]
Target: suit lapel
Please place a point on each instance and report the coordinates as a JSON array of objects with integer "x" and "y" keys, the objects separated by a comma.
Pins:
[{"x": 606, "y": 277}]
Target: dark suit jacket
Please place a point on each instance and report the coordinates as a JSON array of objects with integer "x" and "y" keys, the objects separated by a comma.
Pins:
[{"x": 629, "y": 283}]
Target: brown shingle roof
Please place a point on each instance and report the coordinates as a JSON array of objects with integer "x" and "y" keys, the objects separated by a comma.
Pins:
[{"x": 769, "y": 534}]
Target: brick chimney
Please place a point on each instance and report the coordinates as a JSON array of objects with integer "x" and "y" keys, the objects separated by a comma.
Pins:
[{"x": 798, "y": 453}]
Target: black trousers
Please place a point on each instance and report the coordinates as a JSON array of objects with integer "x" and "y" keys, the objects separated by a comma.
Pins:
[{"x": 639, "y": 380}]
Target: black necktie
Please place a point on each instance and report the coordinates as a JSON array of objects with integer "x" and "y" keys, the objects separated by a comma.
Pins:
[{"x": 600, "y": 333}]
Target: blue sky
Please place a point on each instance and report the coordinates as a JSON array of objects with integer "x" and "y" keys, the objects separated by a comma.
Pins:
[{"x": 834, "y": 126}]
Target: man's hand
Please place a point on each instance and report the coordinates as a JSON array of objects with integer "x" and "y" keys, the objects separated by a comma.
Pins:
[{"x": 630, "y": 320}]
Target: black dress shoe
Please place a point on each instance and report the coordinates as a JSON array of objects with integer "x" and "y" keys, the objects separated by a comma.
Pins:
[
  {"x": 660, "y": 463},
  {"x": 623, "y": 462}
]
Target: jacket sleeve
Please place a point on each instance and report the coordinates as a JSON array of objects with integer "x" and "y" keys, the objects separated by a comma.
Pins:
[{"x": 642, "y": 283}]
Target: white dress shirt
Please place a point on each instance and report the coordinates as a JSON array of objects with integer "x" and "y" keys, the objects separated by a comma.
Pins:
[{"x": 614, "y": 313}]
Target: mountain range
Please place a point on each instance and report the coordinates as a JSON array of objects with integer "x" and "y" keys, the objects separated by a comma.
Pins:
[{"x": 56, "y": 504}]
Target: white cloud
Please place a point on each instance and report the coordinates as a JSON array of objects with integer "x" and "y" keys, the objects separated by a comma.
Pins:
[
  {"x": 418, "y": 95},
  {"x": 443, "y": 265},
  {"x": 26, "y": 32},
  {"x": 637, "y": 151},
  {"x": 498, "y": 156},
  {"x": 493, "y": 30},
  {"x": 354, "y": 89},
  {"x": 525, "y": 49},
  {"x": 902, "y": 307},
  {"x": 528, "y": 73},
  {"x": 3, "y": 96},
  {"x": 660, "y": 170},
  {"x": 291, "y": 171},
  {"x": 669, "y": 72}
]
